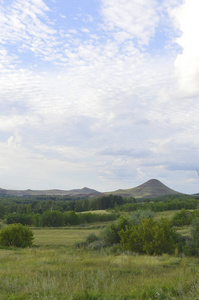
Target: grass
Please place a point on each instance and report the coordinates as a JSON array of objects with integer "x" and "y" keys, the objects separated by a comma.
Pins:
[
  {"x": 100, "y": 211},
  {"x": 184, "y": 231},
  {"x": 56, "y": 270},
  {"x": 168, "y": 214},
  {"x": 65, "y": 273},
  {"x": 61, "y": 237}
]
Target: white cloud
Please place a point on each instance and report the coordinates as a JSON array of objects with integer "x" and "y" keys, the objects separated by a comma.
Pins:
[
  {"x": 22, "y": 168},
  {"x": 25, "y": 25},
  {"x": 6, "y": 60},
  {"x": 103, "y": 111},
  {"x": 137, "y": 18},
  {"x": 187, "y": 63}
]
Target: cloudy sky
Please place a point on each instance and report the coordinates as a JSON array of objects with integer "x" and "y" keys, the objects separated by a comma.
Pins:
[{"x": 99, "y": 93}]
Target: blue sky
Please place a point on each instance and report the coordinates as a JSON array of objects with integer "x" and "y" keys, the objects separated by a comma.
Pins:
[{"x": 99, "y": 93}]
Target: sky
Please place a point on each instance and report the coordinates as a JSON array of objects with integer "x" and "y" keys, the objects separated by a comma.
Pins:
[{"x": 99, "y": 93}]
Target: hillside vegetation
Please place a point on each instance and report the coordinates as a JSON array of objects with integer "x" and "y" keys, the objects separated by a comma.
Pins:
[{"x": 151, "y": 188}]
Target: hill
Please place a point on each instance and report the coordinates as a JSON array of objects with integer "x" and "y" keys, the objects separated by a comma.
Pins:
[
  {"x": 84, "y": 192},
  {"x": 151, "y": 188}
]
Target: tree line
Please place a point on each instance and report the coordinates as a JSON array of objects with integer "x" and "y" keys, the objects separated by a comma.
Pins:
[
  {"x": 36, "y": 210},
  {"x": 59, "y": 219},
  {"x": 163, "y": 204},
  {"x": 40, "y": 204}
]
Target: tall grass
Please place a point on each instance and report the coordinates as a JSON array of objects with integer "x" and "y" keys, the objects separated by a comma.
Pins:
[
  {"x": 59, "y": 271},
  {"x": 54, "y": 269}
]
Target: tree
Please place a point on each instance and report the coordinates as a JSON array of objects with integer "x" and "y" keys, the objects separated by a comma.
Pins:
[
  {"x": 23, "y": 219},
  {"x": 16, "y": 235},
  {"x": 52, "y": 219},
  {"x": 2, "y": 211},
  {"x": 71, "y": 218}
]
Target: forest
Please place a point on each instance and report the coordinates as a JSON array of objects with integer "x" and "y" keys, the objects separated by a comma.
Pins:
[{"x": 58, "y": 211}]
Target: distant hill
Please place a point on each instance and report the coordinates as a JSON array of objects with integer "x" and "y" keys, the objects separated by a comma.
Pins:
[
  {"x": 85, "y": 192},
  {"x": 151, "y": 188}
]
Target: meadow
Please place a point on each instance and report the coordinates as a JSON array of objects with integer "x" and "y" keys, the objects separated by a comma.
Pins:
[
  {"x": 55, "y": 269},
  {"x": 60, "y": 237}
]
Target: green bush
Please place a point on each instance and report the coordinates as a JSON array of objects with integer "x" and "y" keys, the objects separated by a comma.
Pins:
[
  {"x": 110, "y": 234},
  {"x": 96, "y": 245},
  {"x": 192, "y": 246},
  {"x": 137, "y": 216},
  {"x": 149, "y": 237},
  {"x": 92, "y": 237},
  {"x": 184, "y": 217},
  {"x": 16, "y": 235}
]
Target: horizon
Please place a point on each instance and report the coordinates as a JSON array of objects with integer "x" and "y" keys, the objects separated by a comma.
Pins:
[
  {"x": 91, "y": 188},
  {"x": 99, "y": 93}
]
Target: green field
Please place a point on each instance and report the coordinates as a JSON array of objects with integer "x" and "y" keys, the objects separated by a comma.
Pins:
[
  {"x": 54, "y": 269},
  {"x": 167, "y": 214},
  {"x": 99, "y": 211},
  {"x": 61, "y": 237}
]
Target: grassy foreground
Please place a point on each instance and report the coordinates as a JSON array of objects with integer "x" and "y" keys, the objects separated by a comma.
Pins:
[
  {"x": 56, "y": 270},
  {"x": 63, "y": 273}
]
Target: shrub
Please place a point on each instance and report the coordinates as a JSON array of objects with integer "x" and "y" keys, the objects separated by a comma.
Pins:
[
  {"x": 81, "y": 244},
  {"x": 107, "y": 236},
  {"x": 192, "y": 246},
  {"x": 184, "y": 217},
  {"x": 92, "y": 237},
  {"x": 96, "y": 245},
  {"x": 149, "y": 237},
  {"x": 137, "y": 216},
  {"x": 110, "y": 234},
  {"x": 16, "y": 235}
]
